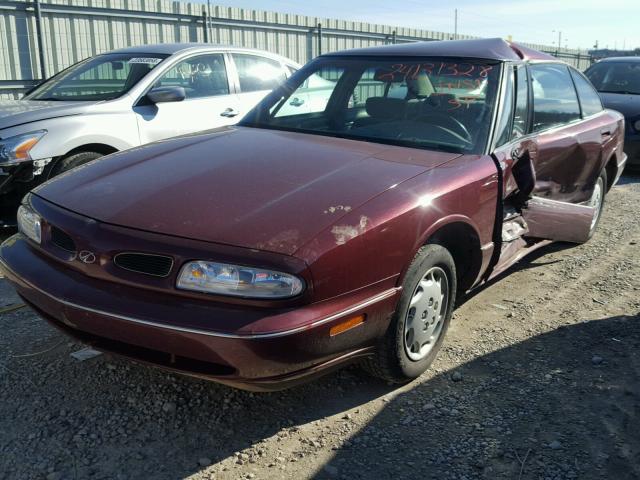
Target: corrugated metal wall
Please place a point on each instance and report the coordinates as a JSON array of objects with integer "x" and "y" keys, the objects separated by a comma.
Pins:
[{"x": 76, "y": 29}]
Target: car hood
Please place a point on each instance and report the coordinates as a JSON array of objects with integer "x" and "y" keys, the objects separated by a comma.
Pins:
[
  {"x": 255, "y": 188},
  {"x": 627, "y": 105},
  {"x": 19, "y": 112}
]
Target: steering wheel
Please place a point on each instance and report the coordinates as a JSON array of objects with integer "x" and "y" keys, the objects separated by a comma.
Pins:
[{"x": 449, "y": 124}]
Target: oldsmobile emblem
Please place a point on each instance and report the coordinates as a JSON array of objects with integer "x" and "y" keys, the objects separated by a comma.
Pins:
[{"x": 86, "y": 256}]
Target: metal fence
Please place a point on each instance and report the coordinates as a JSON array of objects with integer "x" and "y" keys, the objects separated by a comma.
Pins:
[{"x": 39, "y": 39}]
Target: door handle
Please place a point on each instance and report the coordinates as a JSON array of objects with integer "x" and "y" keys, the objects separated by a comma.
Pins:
[
  {"x": 605, "y": 132},
  {"x": 296, "y": 102},
  {"x": 229, "y": 112}
]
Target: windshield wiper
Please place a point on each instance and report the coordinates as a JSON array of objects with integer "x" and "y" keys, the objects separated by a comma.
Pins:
[{"x": 47, "y": 99}]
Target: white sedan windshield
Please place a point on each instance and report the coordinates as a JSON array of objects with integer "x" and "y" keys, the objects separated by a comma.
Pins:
[{"x": 104, "y": 77}]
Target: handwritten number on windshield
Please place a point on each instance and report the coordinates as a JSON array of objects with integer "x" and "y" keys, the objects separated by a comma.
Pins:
[{"x": 402, "y": 71}]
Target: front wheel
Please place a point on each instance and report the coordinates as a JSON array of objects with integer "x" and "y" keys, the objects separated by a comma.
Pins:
[
  {"x": 73, "y": 161},
  {"x": 421, "y": 319}
]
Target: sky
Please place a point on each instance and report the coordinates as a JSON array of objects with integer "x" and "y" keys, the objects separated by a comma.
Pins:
[{"x": 582, "y": 22}]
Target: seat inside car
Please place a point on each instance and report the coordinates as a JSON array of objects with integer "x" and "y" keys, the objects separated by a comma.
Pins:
[
  {"x": 382, "y": 109},
  {"x": 210, "y": 80}
]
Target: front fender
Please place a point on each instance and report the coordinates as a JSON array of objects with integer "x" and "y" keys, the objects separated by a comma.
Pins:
[
  {"x": 376, "y": 242},
  {"x": 64, "y": 134},
  {"x": 443, "y": 222}
]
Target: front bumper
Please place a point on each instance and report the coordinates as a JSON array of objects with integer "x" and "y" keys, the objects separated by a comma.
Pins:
[{"x": 155, "y": 328}]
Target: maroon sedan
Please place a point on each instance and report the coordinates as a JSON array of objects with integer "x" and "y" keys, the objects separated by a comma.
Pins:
[{"x": 338, "y": 221}]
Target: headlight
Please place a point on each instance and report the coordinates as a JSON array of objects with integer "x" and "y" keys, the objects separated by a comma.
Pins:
[
  {"x": 18, "y": 149},
  {"x": 636, "y": 125},
  {"x": 238, "y": 281},
  {"x": 29, "y": 223}
]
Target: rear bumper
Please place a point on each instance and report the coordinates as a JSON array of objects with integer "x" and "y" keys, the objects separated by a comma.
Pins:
[{"x": 126, "y": 322}]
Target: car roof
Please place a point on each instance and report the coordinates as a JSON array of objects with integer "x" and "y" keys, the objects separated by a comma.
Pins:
[
  {"x": 173, "y": 48},
  {"x": 484, "y": 48},
  {"x": 620, "y": 59}
]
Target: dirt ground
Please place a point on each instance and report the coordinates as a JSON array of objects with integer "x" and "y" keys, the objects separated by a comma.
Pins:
[{"x": 539, "y": 378}]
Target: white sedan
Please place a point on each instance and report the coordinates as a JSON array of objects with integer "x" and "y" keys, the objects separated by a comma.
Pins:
[{"x": 123, "y": 99}]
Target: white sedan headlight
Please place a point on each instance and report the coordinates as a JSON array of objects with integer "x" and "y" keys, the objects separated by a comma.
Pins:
[
  {"x": 18, "y": 149},
  {"x": 30, "y": 223},
  {"x": 239, "y": 281}
]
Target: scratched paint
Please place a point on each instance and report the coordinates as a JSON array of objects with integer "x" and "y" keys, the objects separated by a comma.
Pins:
[
  {"x": 344, "y": 233},
  {"x": 338, "y": 208}
]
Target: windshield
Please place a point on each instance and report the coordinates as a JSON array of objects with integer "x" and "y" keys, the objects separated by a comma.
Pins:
[
  {"x": 615, "y": 77},
  {"x": 104, "y": 77},
  {"x": 431, "y": 103}
]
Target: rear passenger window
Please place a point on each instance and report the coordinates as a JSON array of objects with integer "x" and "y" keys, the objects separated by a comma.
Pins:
[
  {"x": 554, "y": 97},
  {"x": 589, "y": 98},
  {"x": 258, "y": 73}
]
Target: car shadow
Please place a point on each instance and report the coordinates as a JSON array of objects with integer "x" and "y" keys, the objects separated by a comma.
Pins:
[
  {"x": 560, "y": 405},
  {"x": 531, "y": 261}
]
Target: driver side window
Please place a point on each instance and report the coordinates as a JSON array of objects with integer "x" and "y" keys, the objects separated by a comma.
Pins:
[
  {"x": 201, "y": 76},
  {"x": 554, "y": 97}
]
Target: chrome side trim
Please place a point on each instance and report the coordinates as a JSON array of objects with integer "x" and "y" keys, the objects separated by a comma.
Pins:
[{"x": 368, "y": 302}]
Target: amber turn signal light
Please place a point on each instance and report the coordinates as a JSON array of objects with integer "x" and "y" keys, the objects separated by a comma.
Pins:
[{"x": 346, "y": 325}]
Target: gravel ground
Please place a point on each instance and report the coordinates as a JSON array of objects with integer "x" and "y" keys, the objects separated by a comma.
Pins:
[{"x": 539, "y": 378}]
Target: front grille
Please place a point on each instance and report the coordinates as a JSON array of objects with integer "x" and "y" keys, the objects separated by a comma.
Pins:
[
  {"x": 146, "y": 263},
  {"x": 62, "y": 240}
]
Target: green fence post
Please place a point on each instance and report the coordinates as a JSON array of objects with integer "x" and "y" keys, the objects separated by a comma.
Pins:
[
  {"x": 43, "y": 67},
  {"x": 205, "y": 30}
]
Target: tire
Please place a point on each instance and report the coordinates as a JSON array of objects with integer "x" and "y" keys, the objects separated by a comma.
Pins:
[
  {"x": 73, "y": 161},
  {"x": 597, "y": 200},
  {"x": 401, "y": 355}
]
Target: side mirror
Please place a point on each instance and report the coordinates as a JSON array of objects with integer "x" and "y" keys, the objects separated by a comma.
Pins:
[{"x": 166, "y": 94}]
